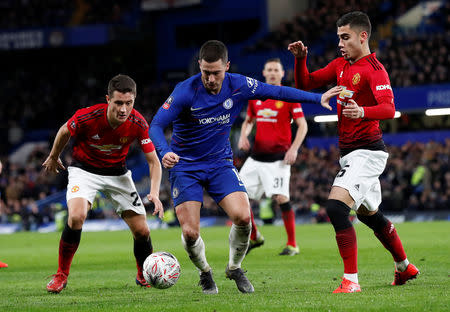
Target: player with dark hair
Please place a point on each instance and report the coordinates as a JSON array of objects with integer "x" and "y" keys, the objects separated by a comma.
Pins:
[
  {"x": 202, "y": 110},
  {"x": 366, "y": 99},
  {"x": 2, "y": 264},
  {"x": 103, "y": 134},
  {"x": 268, "y": 168}
]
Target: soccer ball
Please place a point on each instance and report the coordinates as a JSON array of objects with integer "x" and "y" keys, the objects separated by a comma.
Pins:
[{"x": 161, "y": 270}]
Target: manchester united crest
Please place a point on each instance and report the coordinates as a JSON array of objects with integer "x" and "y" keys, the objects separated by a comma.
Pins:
[
  {"x": 356, "y": 78},
  {"x": 123, "y": 140},
  {"x": 279, "y": 104}
]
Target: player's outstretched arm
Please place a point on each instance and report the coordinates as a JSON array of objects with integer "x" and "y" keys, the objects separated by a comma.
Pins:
[
  {"x": 155, "y": 181},
  {"x": 326, "y": 97},
  {"x": 53, "y": 162}
]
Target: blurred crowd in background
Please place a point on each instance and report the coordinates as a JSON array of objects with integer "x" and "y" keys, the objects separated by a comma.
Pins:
[{"x": 36, "y": 95}]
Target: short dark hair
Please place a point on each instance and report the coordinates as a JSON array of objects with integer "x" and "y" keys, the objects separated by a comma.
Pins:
[
  {"x": 212, "y": 51},
  {"x": 356, "y": 19},
  {"x": 121, "y": 83},
  {"x": 275, "y": 60}
]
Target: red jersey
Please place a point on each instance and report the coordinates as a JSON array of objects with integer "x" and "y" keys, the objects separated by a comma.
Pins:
[
  {"x": 367, "y": 83},
  {"x": 273, "y": 126},
  {"x": 98, "y": 145}
]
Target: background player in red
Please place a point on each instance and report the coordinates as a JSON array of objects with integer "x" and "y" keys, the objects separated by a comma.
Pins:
[
  {"x": 367, "y": 98},
  {"x": 2, "y": 264},
  {"x": 103, "y": 134},
  {"x": 268, "y": 168}
]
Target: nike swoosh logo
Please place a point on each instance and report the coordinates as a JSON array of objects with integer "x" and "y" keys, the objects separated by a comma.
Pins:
[{"x": 195, "y": 109}]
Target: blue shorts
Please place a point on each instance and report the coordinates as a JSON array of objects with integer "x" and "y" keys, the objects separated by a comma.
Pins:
[{"x": 218, "y": 182}]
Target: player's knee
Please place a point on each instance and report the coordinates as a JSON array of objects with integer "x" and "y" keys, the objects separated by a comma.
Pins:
[
  {"x": 142, "y": 233},
  {"x": 338, "y": 212},
  {"x": 76, "y": 220},
  {"x": 241, "y": 219},
  {"x": 376, "y": 221},
  {"x": 190, "y": 236}
]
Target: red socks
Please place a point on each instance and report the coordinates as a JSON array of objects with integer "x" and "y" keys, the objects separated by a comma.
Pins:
[
  {"x": 254, "y": 228},
  {"x": 289, "y": 224},
  {"x": 346, "y": 241},
  {"x": 66, "y": 253},
  {"x": 391, "y": 241}
]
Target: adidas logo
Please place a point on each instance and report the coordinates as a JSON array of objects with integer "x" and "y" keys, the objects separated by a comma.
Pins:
[
  {"x": 357, "y": 187},
  {"x": 96, "y": 137}
]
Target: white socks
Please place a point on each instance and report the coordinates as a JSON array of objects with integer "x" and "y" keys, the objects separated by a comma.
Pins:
[
  {"x": 352, "y": 277},
  {"x": 196, "y": 253},
  {"x": 239, "y": 241},
  {"x": 402, "y": 265}
]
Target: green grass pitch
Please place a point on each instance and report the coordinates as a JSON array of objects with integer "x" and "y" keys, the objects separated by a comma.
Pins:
[{"x": 103, "y": 271}]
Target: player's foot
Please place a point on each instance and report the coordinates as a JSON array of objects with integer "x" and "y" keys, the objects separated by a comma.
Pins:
[
  {"x": 347, "y": 286},
  {"x": 259, "y": 241},
  {"x": 290, "y": 251},
  {"x": 208, "y": 285},
  {"x": 242, "y": 282},
  {"x": 3, "y": 265},
  {"x": 58, "y": 283},
  {"x": 140, "y": 281},
  {"x": 410, "y": 273}
]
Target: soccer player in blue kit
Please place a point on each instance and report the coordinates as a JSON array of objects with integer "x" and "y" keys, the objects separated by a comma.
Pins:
[{"x": 201, "y": 110}]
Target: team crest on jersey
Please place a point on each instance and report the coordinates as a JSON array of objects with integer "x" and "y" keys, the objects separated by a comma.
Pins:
[
  {"x": 75, "y": 189},
  {"x": 279, "y": 104},
  {"x": 356, "y": 78},
  {"x": 175, "y": 192},
  {"x": 123, "y": 140},
  {"x": 228, "y": 104},
  {"x": 167, "y": 103}
]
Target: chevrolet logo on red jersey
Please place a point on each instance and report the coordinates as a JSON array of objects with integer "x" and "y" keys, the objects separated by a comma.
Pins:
[
  {"x": 267, "y": 113},
  {"x": 344, "y": 96}
]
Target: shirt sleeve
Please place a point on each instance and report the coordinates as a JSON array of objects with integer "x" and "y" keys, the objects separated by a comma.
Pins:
[
  {"x": 145, "y": 142},
  {"x": 297, "y": 111},
  {"x": 166, "y": 114},
  {"x": 255, "y": 89},
  {"x": 72, "y": 124},
  {"x": 250, "y": 109},
  {"x": 382, "y": 91},
  {"x": 306, "y": 81}
]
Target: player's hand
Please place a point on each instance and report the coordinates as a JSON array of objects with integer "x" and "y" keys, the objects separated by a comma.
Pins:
[
  {"x": 352, "y": 110},
  {"x": 52, "y": 164},
  {"x": 326, "y": 97},
  {"x": 159, "y": 209},
  {"x": 291, "y": 156},
  {"x": 298, "y": 49},
  {"x": 170, "y": 159},
  {"x": 244, "y": 143}
]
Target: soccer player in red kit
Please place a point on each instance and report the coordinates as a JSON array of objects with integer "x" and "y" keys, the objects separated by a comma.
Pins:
[
  {"x": 103, "y": 134},
  {"x": 366, "y": 98},
  {"x": 268, "y": 168}
]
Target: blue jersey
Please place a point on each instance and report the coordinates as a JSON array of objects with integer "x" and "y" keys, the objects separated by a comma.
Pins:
[{"x": 202, "y": 121}]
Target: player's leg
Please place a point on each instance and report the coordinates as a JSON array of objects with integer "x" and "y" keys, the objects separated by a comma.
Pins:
[
  {"x": 249, "y": 174},
  {"x": 142, "y": 246},
  {"x": 288, "y": 216},
  {"x": 68, "y": 244},
  {"x": 188, "y": 214},
  {"x": 128, "y": 204},
  {"x": 338, "y": 210},
  {"x": 386, "y": 233},
  {"x": 237, "y": 207},
  {"x": 187, "y": 194}
]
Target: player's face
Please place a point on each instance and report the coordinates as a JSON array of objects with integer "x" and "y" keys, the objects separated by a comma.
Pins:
[
  {"x": 213, "y": 74},
  {"x": 273, "y": 72},
  {"x": 120, "y": 106},
  {"x": 351, "y": 43}
]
